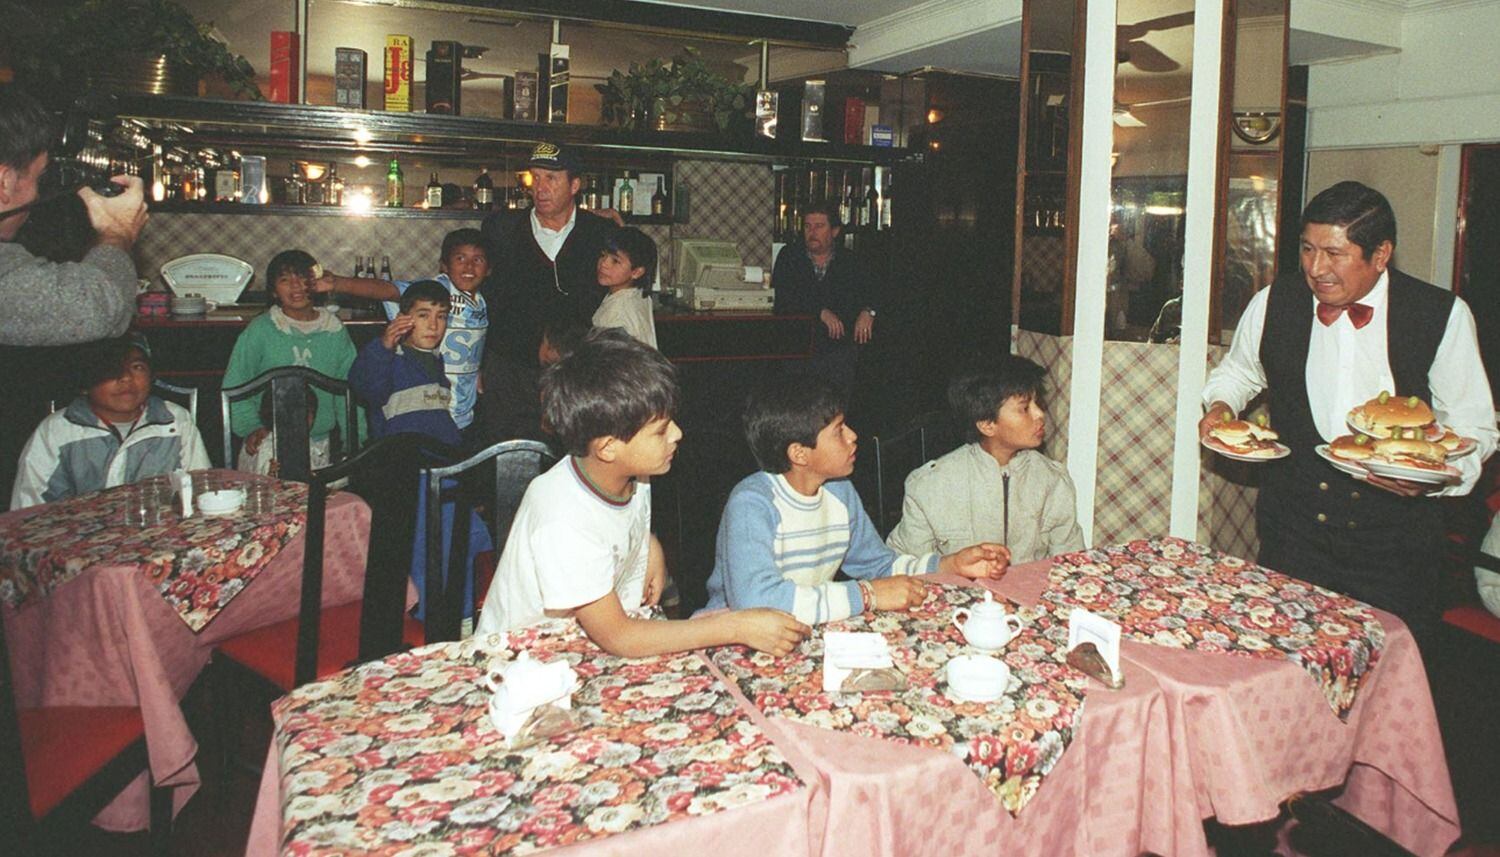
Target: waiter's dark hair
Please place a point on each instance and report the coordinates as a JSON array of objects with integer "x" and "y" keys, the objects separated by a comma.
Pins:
[
  {"x": 825, "y": 208},
  {"x": 978, "y": 391},
  {"x": 787, "y": 410},
  {"x": 1363, "y": 212},
  {"x": 610, "y": 386},
  {"x": 26, "y": 128}
]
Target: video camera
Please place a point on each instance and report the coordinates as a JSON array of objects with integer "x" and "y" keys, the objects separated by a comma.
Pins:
[{"x": 80, "y": 157}]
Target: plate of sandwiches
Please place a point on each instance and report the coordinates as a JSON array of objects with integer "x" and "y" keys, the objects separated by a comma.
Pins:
[
  {"x": 1387, "y": 416},
  {"x": 1408, "y": 456},
  {"x": 1243, "y": 440}
]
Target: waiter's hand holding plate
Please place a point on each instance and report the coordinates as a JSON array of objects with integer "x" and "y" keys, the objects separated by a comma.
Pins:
[{"x": 1241, "y": 440}]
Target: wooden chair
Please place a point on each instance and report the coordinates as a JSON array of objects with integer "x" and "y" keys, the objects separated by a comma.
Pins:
[
  {"x": 288, "y": 387},
  {"x": 510, "y": 466},
  {"x": 319, "y": 641},
  {"x": 59, "y": 766},
  {"x": 900, "y": 451}
]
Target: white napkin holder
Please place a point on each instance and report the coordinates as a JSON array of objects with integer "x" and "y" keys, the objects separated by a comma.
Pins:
[
  {"x": 1087, "y": 627},
  {"x": 184, "y": 482},
  {"x": 846, "y": 651},
  {"x": 526, "y": 685}
]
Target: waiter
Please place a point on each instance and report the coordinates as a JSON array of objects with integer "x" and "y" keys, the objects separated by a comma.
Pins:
[
  {"x": 542, "y": 267},
  {"x": 1365, "y": 327}
]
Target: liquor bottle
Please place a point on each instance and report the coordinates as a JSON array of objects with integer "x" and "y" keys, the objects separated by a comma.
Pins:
[
  {"x": 604, "y": 192},
  {"x": 334, "y": 194},
  {"x": 484, "y": 190},
  {"x": 659, "y": 199},
  {"x": 846, "y": 205},
  {"x": 870, "y": 214},
  {"x": 434, "y": 196},
  {"x": 395, "y": 186},
  {"x": 888, "y": 200},
  {"x": 590, "y": 194},
  {"x": 294, "y": 188},
  {"x": 369, "y": 273},
  {"x": 626, "y": 202},
  {"x": 385, "y": 268},
  {"x": 227, "y": 183},
  {"x": 359, "y": 266}
]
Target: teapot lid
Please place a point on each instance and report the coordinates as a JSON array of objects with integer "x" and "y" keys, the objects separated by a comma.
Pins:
[{"x": 988, "y": 605}]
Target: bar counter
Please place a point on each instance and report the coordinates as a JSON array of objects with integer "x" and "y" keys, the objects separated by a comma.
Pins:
[{"x": 187, "y": 348}]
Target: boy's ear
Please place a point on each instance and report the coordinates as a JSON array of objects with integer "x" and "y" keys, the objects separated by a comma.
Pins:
[
  {"x": 637, "y": 272},
  {"x": 604, "y": 448},
  {"x": 797, "y": 453},
  {"x": 987, "y": 428}
]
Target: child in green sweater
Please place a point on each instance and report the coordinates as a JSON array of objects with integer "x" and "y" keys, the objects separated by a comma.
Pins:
[{"x": 293, "y": 332}]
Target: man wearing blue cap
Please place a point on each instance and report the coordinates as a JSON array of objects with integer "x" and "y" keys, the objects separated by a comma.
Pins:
[{"x": 542, "y": 267}]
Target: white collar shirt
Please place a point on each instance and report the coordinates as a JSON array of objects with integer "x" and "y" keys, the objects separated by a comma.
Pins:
[
  {"x": 1348, "y": 366},
  {"x": 552, "y": 240}
]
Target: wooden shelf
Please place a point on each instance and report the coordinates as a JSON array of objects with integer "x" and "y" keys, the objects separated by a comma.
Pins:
[{"x": 314, "y": 210}]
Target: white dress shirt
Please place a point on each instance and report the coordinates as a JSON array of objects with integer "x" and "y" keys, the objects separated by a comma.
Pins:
[
  {"x": 1348, "y": 367},
  {"x": 551, "y": 240}
]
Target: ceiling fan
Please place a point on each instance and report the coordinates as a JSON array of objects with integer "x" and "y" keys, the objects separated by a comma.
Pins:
[{"x": 1130, "y": 47}]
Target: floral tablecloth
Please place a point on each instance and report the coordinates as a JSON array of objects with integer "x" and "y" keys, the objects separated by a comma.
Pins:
[
  {"x": 1010, "y": 744},
  {"x": 198, "y": 564},
  {"x": 1172, "y": 592},
  {"x": 399, "y": 756}
]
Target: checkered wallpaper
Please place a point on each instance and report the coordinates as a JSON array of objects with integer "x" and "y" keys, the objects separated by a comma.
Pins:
[
  {"x": 728, "y": 202},
  {"x": 1133, "y": 493}
]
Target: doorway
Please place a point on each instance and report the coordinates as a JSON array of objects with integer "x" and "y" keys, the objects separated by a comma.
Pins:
[{"x": 1476, "y": 267}]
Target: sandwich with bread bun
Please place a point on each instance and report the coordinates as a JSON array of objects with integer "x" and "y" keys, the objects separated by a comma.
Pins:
[
  {"x": 1242, "y": 437},
  {"x": 1411, "y": 449},
  {"x": 1385, "y": 415},
  {"x": 1352, "y": 447}
]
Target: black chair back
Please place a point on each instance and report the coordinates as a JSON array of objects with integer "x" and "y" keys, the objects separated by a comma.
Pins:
[
  {"x": 494, "y": 479},
  {"x": 288, "y": 387},
  {"x": 386, "y": 475},
  {"x": 901, "y": 450},
  {"x": 187, "y": 397},
  {"x": 688, "y": 502}
]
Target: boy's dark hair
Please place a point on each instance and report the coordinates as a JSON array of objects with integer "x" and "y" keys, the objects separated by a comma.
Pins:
[
  {"x": 431, "y": 291},
  {"x": 564, "y": 332},
  {"x": 638, "y": 247},
  {"x": 297, "y": 262},
  {"x": 268, "y": 406},
  {"x": 825, "y": 208},
  {"x": 26, "y": 128},
  {"x": 1363, "y": 212},
  {"x": 105, "y": 360},
  {"x": 610, "y": 386},
  {"x": 466, "y": 237},
  {"x": 786, "y": 410},
  {"x": 977, "y": 393}
]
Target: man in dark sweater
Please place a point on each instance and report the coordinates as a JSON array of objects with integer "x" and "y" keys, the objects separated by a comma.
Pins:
[
  {"x": 1321, "y": 343},
  {"x": 542, "y": 265},
  {"x": 820, "y": 278}
]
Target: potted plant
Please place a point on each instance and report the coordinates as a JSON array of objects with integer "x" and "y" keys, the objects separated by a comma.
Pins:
[
  {"x": 681, "y": 95},
  {"x": 155, "y": 45}
]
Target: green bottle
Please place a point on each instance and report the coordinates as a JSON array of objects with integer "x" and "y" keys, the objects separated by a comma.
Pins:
[{"x": 395, "y": 186}]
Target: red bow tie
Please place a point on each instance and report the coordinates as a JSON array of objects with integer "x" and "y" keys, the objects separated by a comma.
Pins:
[{"x": 1359, "y": 314}]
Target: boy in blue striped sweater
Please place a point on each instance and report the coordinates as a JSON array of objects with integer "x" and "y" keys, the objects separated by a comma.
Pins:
[{"x": 788, "y": 529}]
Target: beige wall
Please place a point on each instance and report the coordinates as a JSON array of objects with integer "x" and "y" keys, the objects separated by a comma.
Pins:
[{"x": 1406, "y": 176}]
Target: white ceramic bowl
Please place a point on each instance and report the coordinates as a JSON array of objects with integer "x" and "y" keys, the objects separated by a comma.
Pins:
[
  {"x": 222, "y": 502},
  {"x": 977, "y": 678}
]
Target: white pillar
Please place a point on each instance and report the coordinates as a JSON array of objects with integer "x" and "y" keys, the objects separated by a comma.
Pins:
[
  {"x": 1093, "y": 255},
  {"x": 1197, "y": 262}
]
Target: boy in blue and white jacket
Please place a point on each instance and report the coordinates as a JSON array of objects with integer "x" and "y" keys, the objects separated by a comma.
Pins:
[
  {"x": 788, "y": 529},
  {"x": 115, "y": 433},
  {"x": 400, "y": 380}
]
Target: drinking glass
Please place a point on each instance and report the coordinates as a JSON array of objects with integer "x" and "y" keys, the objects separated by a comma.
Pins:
[
  {"x": 143, "y": 506},
  {"x": 260, "y": 497}
]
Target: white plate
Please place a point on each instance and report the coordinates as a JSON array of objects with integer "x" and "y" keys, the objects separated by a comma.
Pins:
[
  {"x": 1353, "y": 468},
  {"x": 1413, "y": 474},
  {"x": 976, "y": 678},
  {"x": 225, "y": 501},
  {"x": 1466, "y": 445},
  {"x": 1282, "y": 451}
]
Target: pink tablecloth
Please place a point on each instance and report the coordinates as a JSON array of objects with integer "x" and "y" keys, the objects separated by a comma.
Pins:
[
  {"x": 107, "y": 637},
  {"x": 1246, "y": 734}
]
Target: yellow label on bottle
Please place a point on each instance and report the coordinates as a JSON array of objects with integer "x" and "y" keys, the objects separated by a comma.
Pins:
[{"x": 398, "y": 73}]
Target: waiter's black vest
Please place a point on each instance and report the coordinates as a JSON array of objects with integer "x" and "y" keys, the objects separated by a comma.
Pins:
[{"x": 1417, "y": 316}]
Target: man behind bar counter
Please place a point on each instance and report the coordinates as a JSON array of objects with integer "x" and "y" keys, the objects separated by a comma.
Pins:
[{"x": 542, "y": 265}]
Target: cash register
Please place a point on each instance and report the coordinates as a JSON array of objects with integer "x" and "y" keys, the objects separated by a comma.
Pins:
[{"x": 710, "y": 275}]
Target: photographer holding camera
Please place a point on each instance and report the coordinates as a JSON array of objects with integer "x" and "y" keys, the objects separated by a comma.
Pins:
[{"x": 60, "y": 303}]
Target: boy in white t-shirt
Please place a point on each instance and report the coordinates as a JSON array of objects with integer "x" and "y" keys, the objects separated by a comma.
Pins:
[
  {"x": 581, "y": 543},
  {"x": 627, "y": 267}
]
